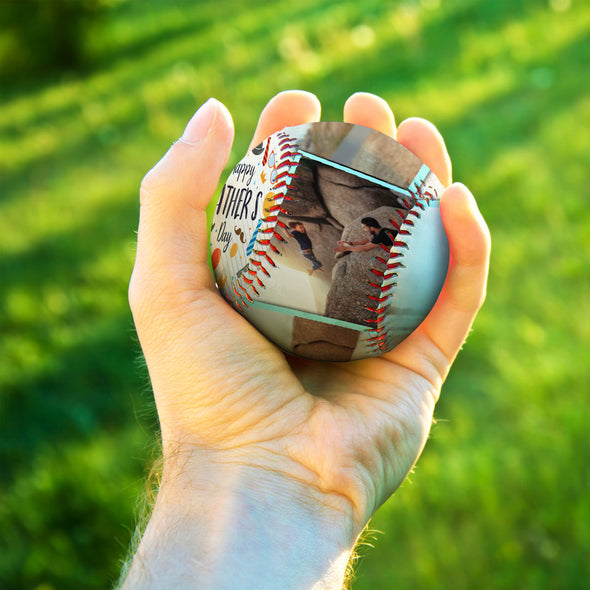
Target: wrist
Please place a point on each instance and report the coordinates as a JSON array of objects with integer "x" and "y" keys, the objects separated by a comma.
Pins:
[{"x": 233, "y": 525}]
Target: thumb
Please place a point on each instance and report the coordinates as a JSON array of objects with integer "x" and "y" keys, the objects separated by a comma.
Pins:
[
  {"x": 172, "y": 233},
  {"x": 189, "y": 172}
]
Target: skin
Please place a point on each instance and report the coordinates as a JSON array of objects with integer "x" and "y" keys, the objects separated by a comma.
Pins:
[
  {"x": 360, "y": 245},
  {"x": 272, "y": 466}
]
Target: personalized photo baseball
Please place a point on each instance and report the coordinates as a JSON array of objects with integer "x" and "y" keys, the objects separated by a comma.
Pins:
[{"x": 327, "y": 237}]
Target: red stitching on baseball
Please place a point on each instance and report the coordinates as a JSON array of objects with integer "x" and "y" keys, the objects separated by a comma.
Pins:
[
  {"x": 270, "y": 260},
  {"x": 288, "y": 157},
  {"x": 394, "y": 223},
  {"x": 378, "y": 299},
  {"x": 282, "y": 175},
  {"x": 376, "y": 320},
  {"x": 379, "y": 340}
]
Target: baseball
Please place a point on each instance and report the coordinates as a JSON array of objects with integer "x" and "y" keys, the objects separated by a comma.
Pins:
[{"x": 328, "y": 238}]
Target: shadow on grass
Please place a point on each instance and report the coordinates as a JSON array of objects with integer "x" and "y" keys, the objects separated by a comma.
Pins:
[
  {"x": 86, "y": 384},
  {"x": 86, "y": 390},
  {"x": 397, "y": 66},
  {"x": 121, "y": 70}
]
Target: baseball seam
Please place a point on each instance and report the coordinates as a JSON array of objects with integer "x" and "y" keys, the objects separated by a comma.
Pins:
[
  {"x": 377, "y": 336},
  {"x": 255, "y": 268}
]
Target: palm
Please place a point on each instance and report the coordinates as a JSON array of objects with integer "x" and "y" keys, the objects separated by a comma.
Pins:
[
  {"x": 341, "y": 422},
  {"x": 356, "y": 434}
]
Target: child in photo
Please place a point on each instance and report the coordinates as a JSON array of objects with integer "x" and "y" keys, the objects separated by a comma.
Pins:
[{"x": 297, "y": 230}]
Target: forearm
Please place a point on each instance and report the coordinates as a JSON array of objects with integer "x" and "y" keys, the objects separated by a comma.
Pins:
[
  {"x": 358, "y": 242},
  {"x": 361, "y": 247},
  {"x": 238, "y": 527}
]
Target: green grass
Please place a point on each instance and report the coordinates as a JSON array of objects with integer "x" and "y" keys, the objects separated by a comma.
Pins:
[{"x": 501, "y": 496}]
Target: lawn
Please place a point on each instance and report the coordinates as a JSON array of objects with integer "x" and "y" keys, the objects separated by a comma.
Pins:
[{"x": 501, "y": 495}]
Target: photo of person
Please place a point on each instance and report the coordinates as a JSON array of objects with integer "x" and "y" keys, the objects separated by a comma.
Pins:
[
  {"x": 297, "y": 230},
  {"x": 379, "y": 236}
]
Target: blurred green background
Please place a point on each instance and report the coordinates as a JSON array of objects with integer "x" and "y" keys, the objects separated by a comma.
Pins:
[{"x": 92, "y": 94}]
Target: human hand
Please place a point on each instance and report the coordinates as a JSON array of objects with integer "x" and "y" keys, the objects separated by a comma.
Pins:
[{"x": 299, "y": 443}]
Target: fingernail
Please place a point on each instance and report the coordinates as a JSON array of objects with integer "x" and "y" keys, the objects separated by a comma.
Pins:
[{"x": 201, "y": 122}]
